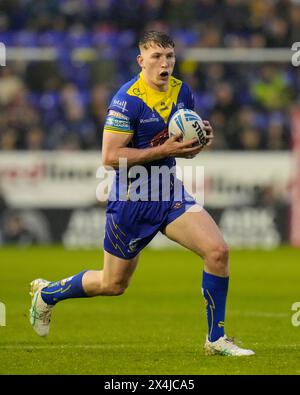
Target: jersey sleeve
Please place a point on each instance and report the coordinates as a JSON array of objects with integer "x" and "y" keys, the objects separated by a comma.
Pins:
[
  {"x": 121, "y": 115},
  {"x": 190, "y": 99}
]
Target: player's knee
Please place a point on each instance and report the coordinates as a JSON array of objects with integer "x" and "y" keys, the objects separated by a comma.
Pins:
[
  {"x": 114, "y": 289},
  {"x": 219, "y": 255},
  {"x": 118, "y": 290}
]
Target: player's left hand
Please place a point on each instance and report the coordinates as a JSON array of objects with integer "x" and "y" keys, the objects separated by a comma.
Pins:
[
  {"x": 209, "y": 132},
  {"x": 209, "y": 138}
]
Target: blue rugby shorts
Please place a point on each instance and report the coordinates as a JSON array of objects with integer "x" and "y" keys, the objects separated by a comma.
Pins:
[{"x": 131, "y": 225}]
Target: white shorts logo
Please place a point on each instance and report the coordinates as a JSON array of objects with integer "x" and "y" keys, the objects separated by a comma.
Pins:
[{"x": 133, "y": 245}]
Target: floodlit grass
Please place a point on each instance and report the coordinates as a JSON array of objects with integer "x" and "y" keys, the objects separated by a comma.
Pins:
[{"x": 158, "y": 326}]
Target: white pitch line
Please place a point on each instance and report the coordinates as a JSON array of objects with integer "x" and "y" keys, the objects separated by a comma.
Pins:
[
  {"x": 267, "y": 314},
  {"x": 64, "y": 346},
  {"x": 96, "y": 346}
]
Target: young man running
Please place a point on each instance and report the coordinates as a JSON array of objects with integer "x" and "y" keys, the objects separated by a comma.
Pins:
[{"x": 136, "y": 129}]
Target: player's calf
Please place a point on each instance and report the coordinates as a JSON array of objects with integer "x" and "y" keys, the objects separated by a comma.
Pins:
[{"x": 98, "y": 283}]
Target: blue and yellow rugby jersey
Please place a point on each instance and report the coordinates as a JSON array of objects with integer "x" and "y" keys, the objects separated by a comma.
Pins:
[{"x": 144, "y": 113}]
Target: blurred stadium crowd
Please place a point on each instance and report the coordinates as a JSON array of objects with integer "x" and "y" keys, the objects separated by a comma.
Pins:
[{"x": 61, "y": 104}]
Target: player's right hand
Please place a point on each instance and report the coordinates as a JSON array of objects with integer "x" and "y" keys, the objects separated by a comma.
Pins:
[{"x": 181, "y": 149}]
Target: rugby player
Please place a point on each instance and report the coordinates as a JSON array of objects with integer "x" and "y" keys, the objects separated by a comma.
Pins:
[{"x": 136, "y": 129}]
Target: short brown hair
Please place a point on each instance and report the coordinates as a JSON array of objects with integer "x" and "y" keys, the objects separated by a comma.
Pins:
[{"x": 159, "y": 38}]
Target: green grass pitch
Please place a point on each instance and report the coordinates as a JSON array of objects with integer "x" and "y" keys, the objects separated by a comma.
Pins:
[{"x": 158, "y": 326}]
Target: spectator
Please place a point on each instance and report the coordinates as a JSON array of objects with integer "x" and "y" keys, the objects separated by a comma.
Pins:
[
  {"x": 277, "y": 33},
  {"x": 270, "y": 89},
  {"x": 62, "y": 104},
  {"x": 245, "y": 119},
  {"x": 178, "y": 15},
  {"x": 10, "y": 85},
  {"x": 34, "y": 140},
  {"x": 225, "y": 101},
  {"x": 276, "y": 135},
  {"x": 294, "y": 22},
  {"x": 8, "y": 140},
  {"x": 15, "y": 231},
  {"x": 250, "y": 139}
]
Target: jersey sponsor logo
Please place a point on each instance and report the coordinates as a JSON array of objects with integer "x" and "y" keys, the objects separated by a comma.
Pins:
[
  {"x": 149, "y": 120},
  {"x": 114, "y": 122},
  {"x": 117, "y": 114},
  {"x": 174, "y": 82},
  {"x": 121, "y": 104},
  {"x": 180, "y": 105},
  {"x": 163, "y": 106},
  {"x": 160, "y": 138},
  {"x": 137, "y": 92}
]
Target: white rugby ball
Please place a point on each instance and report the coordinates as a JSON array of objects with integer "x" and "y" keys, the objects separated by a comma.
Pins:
[{"x": 188, "y": 124}]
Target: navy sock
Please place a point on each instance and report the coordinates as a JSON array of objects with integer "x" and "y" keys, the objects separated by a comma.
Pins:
[
  {"x": 214, "y": 289},
  {"x": 65, "y": 289}
]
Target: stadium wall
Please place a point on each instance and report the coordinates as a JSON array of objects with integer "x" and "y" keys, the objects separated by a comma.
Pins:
[{"x": 54, "y": 197}]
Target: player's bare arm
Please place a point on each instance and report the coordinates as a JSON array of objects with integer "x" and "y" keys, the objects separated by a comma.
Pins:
[{"x": 115, "y": 147}]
